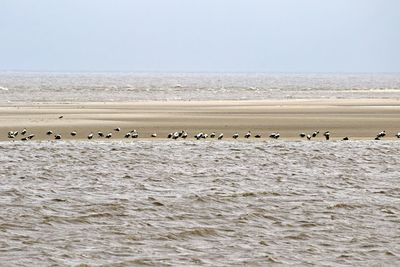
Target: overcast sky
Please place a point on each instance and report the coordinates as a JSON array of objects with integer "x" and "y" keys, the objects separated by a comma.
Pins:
[{"x": 200, "y": 35}]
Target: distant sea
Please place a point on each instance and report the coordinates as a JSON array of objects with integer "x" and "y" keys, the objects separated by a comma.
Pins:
[{"x": 72, "y": 87}]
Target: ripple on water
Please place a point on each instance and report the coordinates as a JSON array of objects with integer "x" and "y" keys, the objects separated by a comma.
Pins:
[{"x": 199, "y": 203}]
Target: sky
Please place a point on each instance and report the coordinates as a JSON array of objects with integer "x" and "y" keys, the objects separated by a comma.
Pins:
[{"x": 200, "y": 35}]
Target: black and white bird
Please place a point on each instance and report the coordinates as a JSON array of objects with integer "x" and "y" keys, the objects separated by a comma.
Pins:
[
  {"x": 49, "y": 132},
  {"x": 100, "y": 134},
  {"x": 11, "y": 134},
  {"x": 184, "y": 135},
  {"x": 24, "y": 139},
  {"x": 128, "y": 134},
  {"x": 109, "y": 135},
  {"x": 235, "y": 136},
  {"x": 175, "y": 136},
  {"x": 212, "y": 135},
  {"x": 57, "y": 136},
  {"x": 73, "y": 133},
  {"x": 153, "y": 135},
  {"x": 220, "y": 136},
  {"x": 134, "y": 134},
  {"x": 90, "y": 136},
  {"x": 327, "y": 135},
  {"x": 314, "y": 134},
  {"x": 308, "y": 137},
  {"x": 117, "y": 129},
  {"x": 199, "y": 136},
  {"x": 274, "y": 135},
  {"x": 247, "y": 135},
  {"x": 23, "y": 132},
  {"x": 31, "y": 136},
  {"x": 302, "y": 135},
  {"x": 170, "y": 135},
  {"x": 398, "y": 135},
  {"x": 381, "y": 134},
  {"x": 345, "y": 138},
  {"x": 257, "y": 136}
]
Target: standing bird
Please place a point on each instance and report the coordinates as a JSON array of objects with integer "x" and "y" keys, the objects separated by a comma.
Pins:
[
  {"x": 184, "y": 135},
  {"x": 90, "y": 136},
  {"x": 235, "y": 136},
  {"x": 381, "y": 134},
  {"x": 212, "y": 135},
  {"x": 302, "y": 135},
  {"x": 31, "y": 136},
  {"x": 73, "y": 133},
  {"x": 25, "y": 139},
  {"x": 23, "y": 132},
  {"x": 57, "y": 136},
  {"x": 170, "y": 135},
  {"x": 398, "y": 135},
  {"x": 308, "y": 137},
  {"x": 153, "y": 135},
  {"x": 175, "y": 135},
  {"x": 220, "y": 136},
  {"x": 128, "y": 134},
  {"x": 117, "y": 129},
  {"x": 327, "y": 135},
  {"x": 315, "y": 134},
  {"x": 49, "y": 132},
  {"x": 109, "y": 135},
  {"x": 345, "y": 138},
  {"x": 257, "y": 136},
  {"x": 61, "y": 117},
  {"x": 100, "y": 134},
  {"x": 247, "y": 135}
]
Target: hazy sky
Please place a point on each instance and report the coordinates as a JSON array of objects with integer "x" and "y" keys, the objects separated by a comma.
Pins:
[{"x": 200, "y": 35}]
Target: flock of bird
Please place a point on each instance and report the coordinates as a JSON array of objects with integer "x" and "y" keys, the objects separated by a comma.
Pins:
[{"x": 176, "y": 135}]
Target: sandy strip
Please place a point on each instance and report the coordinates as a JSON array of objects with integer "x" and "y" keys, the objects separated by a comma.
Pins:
[{"x": 357, "y": 119}]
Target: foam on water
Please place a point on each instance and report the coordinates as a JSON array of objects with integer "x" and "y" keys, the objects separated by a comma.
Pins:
[{"x": 199, "y": 203}]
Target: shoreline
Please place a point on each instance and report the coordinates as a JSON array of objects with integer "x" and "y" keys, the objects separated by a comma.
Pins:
[{"x": 359, "y": 119}]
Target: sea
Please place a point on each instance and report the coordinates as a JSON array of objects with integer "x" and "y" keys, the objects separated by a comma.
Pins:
[{"x": 198, "y": 203}]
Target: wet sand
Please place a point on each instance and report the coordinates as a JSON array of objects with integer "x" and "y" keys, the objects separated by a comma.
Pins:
[{"x": 357, "y": 119}]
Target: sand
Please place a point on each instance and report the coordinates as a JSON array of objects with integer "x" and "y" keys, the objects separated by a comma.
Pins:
[{"x": 357, "y": 119}]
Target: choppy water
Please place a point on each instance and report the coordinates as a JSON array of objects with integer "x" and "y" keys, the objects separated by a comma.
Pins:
[
  {"x": 199, "y": 203},
  {"x": 42, "y": 87}
]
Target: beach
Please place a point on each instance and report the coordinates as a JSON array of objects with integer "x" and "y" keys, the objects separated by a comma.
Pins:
[{"x": 355, "y": 118}]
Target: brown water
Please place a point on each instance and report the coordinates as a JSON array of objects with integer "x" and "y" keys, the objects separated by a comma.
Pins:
[{"x": 200, "y": 203}]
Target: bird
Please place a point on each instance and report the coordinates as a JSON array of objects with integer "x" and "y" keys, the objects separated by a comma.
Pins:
[
  {"x": 23, "y": 132},
  {"x": 170, "y": 135},
  {"x": 247, "y": 135},
  {"x": 204, "y": 136},
  {"x": 134, "y": 134},
  {"x": 377, "y": 138},
  {"x": 381, "y": 134},
  {"x": 73, "y": 133},
  {"x": 184, "y": 135},
  {"x": 274, "y": 135},
  {"x": 61, "y": 117},
  {"x": 327, "y": 135},
  {"x": 57, "y": 137},
  {"x": 49, "y": 132},
  {"x": 117, "y": 129},
  {"x": 398, "y": 135},
  {"x": 25, "y": 139},
  {"x": 15, "y": 133},
  {"x": 11, "y": 134},
  {"x": 235, "y": 136},
  {"x": 198, "y": 136},
  {"x": 345, "y": 138},
  {"x": 128, "y": 134},
  {"x": 109, "y": 135},
  {"x": 302, "y": 135},
  {"x": 31, "y": 136},
  {"x": 90, "y": 136},
  {"x": 315, "y": 134},
  {"x": 175, "y": 135},
  {"x": 100, "y": 134},
  {"x": 220, "y": 136},
  {"x": 212, "y": 135},
  {"x": 257, "y": 136},
  {"x": 308, "y": 137},
  {"x": 153, "y": 135}
]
